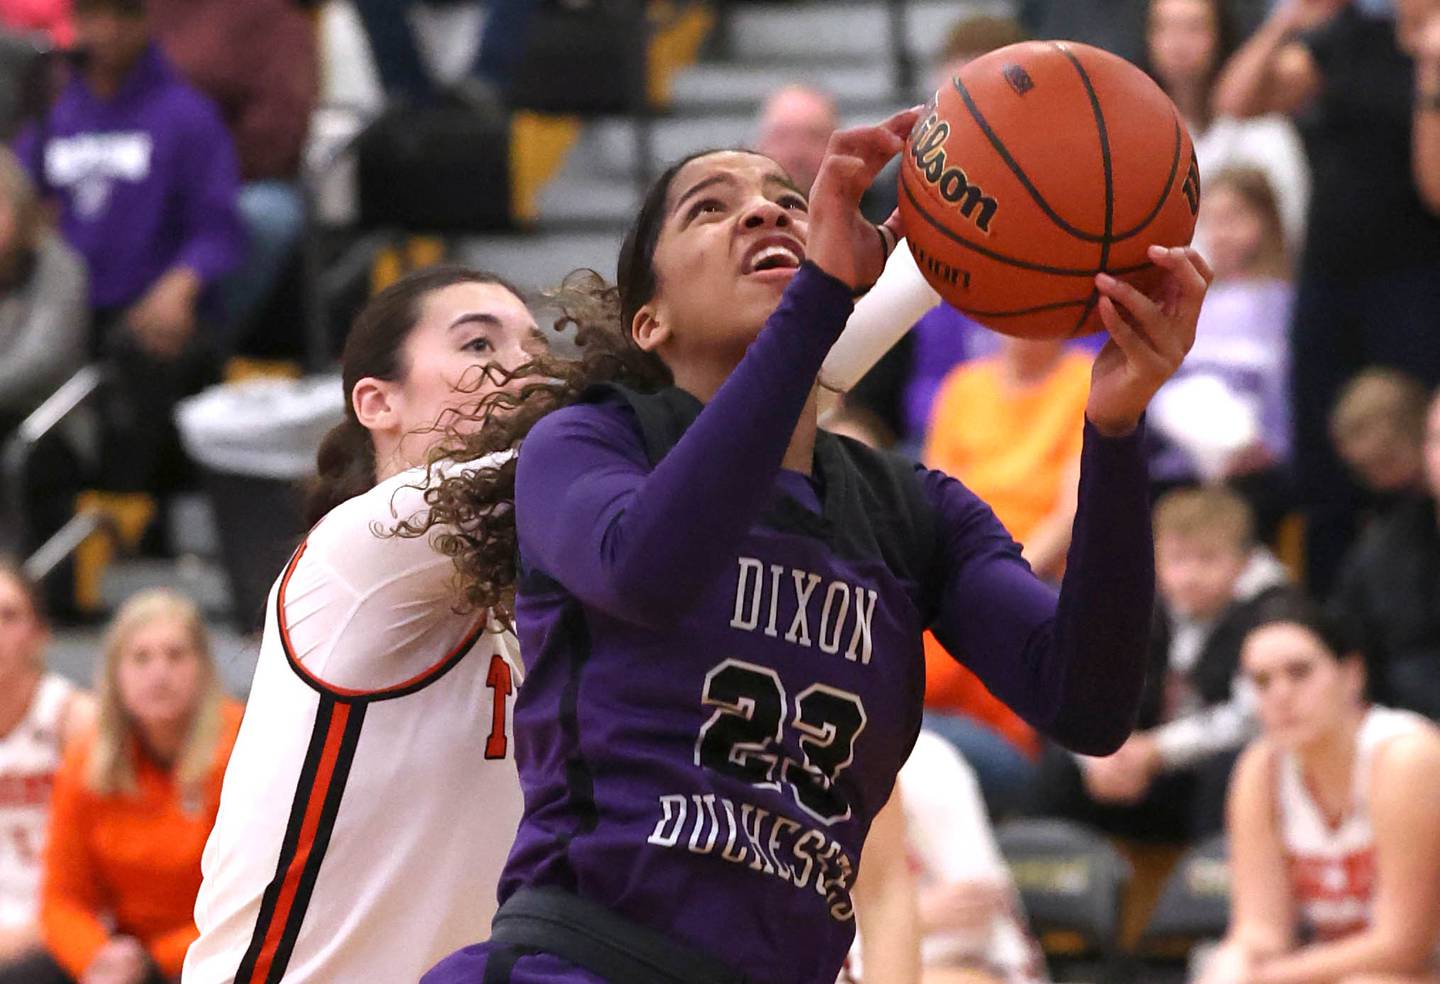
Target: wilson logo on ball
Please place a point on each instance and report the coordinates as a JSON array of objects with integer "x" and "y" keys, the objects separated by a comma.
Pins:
[{"x": 927, "y": 149}]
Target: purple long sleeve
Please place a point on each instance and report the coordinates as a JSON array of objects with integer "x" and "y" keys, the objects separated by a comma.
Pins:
[
  {"x": 641, "y": 543},
  {"x": 1073, "y": 667}
]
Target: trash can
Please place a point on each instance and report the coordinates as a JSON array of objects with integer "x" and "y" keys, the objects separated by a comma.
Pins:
[{"x": 255, "y": 442}]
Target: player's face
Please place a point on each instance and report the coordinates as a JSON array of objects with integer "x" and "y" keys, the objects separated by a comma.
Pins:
[
  {"x": 733, "y": 236},
  {"x": 1196, "y": 572},
  {"x": 465, "y": 332},
  {"x": 22, "y": 635},
  {"x": 1234, "y": 232},
  {"x": 1182, "y": 39},
  {"x": 160, "y": 673},
  {"x": 1303, "y": 691}
]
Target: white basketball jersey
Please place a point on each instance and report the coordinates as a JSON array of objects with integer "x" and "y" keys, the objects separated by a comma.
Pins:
[
  {"x": 372, "y": 796},
  {"x": 1332, "y": 866},
  {"x": 29, "y": 756}
]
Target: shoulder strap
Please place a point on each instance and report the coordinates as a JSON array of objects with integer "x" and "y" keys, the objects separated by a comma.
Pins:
[{"x": 663, "y": 416}]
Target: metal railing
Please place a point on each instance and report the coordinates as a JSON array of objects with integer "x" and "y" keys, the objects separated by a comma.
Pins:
[{"x": 73, "y": 394}]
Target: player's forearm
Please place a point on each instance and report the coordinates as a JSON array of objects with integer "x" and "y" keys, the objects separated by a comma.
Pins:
[
  {"x": 1425, "y": 138},
  {"x": 890, "y": 932},
  {"x": 1373, "y": 951}
]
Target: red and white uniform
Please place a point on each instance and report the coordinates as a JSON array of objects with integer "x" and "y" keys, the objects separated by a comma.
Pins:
[
  {"x": 1332, "y": 864},
  {"x": 29, "y": 756},
  {"x": 372, "y": 797}
]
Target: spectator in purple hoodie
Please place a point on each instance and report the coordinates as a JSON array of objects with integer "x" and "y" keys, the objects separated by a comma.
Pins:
[{"x": 145, "y": 178}]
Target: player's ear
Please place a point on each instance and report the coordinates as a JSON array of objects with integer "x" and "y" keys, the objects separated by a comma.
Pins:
[
  {"x": 648, "y": 330},
  {"x": 374, "y": 403}
]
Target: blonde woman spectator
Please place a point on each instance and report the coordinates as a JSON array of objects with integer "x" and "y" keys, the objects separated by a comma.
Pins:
[
  {"x": 134, "y": 803},
  {"x": 38, "y": 712},
  {"x": 1334, "y": 822}
]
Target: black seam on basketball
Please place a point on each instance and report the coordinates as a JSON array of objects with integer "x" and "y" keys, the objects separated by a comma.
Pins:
[
  {"x": 941, "y": 228},
  {"x": 1104, "y": 134},
  {"x": 1090, "y": 304},
  {"x": 1022, "y": 312},
  {"x": 1019, "y": 171},
  {"x": 1164, "y": 195}
]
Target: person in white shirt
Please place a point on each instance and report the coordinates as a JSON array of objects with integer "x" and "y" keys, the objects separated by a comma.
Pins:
[
  {"x": 1334, "y": 822},
  {"x": 372, "y": 797},
  {"x": 39, "y": 711}
]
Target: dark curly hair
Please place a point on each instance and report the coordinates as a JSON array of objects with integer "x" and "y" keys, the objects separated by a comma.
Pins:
[{"x": 473, "y": 511}]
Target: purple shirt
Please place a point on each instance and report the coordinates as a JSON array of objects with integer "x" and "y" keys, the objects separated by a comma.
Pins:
[
  {"x": 725, "y": 669},
  {"x": 147, "y": 180}
]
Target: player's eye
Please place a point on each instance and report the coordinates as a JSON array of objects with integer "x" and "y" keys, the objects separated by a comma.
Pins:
[
  {"x": 706, "y": 206},
  {"x": 795, "y": 201},
  {"x": 479, "y": 344}
]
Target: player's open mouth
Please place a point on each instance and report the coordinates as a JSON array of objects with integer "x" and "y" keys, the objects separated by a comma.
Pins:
[{"x": 774, "y": 253}]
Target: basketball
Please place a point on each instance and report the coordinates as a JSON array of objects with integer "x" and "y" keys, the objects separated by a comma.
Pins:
[{"x": 1040, "y": 165}]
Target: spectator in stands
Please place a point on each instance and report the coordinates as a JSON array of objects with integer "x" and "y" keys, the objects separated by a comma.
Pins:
[
  {"x": 1334, "y": 822},
  {"x": 256, "y": 60},
  {"x": 971, "y": 926},
  {"x": 1366, "y": 92},
  {"x": 402, "y": 67},
  {"x": 44, "y": 318},
  {"x": 1390, "y": 584},
  {"x": 145, "y": 178},
  {"x": 794, "y": 129},
  {"x": 1186, "y": 44},
  {"x": 39, "y": 712},
  {"x": 1378, "y": 426},
  {"x": 1115, "y": 25},
  {"x": 1168, "y": 781},
  {"x": 1226, "y": 414},
  {"x": 48, "y": 17},
  {"x": 134, "y": 803}
]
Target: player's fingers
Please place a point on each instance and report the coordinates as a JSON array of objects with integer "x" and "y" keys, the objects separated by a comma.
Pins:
[
  {"x": 1134, "y": 346},
  {"x": 1200, "y": 263},
  {"x": 1180, "y": 263},
  {"x": 896, "y": 227},
  {"x": 873, "y": 144},
  {"x": 904, "y": 121},
  {"x": 1142, "y": 310}
]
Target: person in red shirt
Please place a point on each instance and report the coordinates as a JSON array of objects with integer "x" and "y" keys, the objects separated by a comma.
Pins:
[{"x": 134, "y": 802}]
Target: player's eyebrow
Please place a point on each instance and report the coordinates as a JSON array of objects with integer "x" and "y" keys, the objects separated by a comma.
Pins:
[
  {"x": 722, "y": 177},
  {"x": 476, "y": 317}
]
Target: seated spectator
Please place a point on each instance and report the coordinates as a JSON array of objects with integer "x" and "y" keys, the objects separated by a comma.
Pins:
[
  {"x": 1009, "y": 427},
  {"x": 1167, "y": 783},
  {"x": 1389, "y": 584},
  {"x": 44, "y": 318},
  {"x": 49, "y": 17},
  {"x": 39, "y": 712},
  {"x": 1363, "y": 87},
  {"x": 145, "y": 178},
  {"x": 402, "y": 67},
  {"x": 1334, "y": 822},
  {"x": 256, "y": 61},
  {"x": 1187, "y": 43},
  {"x": 1378, "y": 426},
  {"x": 971, "y": 927},
  {"x": 134, "y": 802},
  {"x": 1226, "y": 413}
]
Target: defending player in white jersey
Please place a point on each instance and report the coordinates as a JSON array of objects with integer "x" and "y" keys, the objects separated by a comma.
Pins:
[
  {"x": 372, "y": 797},
  {"x": 1334, "y": 822},
  {"x": 38, "y": 712}
]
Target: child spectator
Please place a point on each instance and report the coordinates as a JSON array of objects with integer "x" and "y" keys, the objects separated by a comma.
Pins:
[
  {"x": 1334, "y": 822},
  {"x": 1168, "y": 781},
  {"x": 1226, "y": 413},
  {"x": 145, "y": 178},
  {"x": 39, "y": 711},
  {"x": 1378, "y": 426},
  {"x": 134, "y": 803},
  {"x": 44, "y": 317},
  {"x": 1390, "y": 584},
  {"x": 1186, "y": 44},
  {"x": 256, "y": 60}
]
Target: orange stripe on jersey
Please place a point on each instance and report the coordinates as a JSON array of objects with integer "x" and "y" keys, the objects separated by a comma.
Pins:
[
  {"x": 424, "y": 678},
  {"x": 307, "y": 836}
]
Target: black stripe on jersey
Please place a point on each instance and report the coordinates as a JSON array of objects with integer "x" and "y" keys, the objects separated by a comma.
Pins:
[
  {"x": 500, "y": 963},
  {"x": 579, "y": 778},
  {"x": 270, "y": 899},
  {"x": 338, "y": 779}
]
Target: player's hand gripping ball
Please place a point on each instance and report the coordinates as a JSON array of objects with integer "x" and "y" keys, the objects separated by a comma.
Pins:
[{"x": 1037, "y": 167}]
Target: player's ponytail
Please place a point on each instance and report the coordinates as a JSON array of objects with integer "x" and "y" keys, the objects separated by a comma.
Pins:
[{"x": 375, "y": 349}]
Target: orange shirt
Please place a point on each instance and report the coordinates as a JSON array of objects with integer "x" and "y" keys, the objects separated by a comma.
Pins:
[
  {"x": 1010, "y": 447},
  {"x": 131, "y": 859}
]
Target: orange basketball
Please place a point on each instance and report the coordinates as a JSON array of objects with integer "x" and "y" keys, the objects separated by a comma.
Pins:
[{"x": 1039, "y": 166}]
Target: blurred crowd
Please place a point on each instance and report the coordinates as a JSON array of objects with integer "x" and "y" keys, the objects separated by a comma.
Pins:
[{"x": 151, "y": 211}]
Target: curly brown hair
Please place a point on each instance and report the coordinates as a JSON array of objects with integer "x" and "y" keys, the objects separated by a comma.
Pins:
[{"x": 473, "y": 511}]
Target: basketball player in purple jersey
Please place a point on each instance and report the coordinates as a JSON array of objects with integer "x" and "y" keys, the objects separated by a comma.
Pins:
[{"x": 721, "y": 606}]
